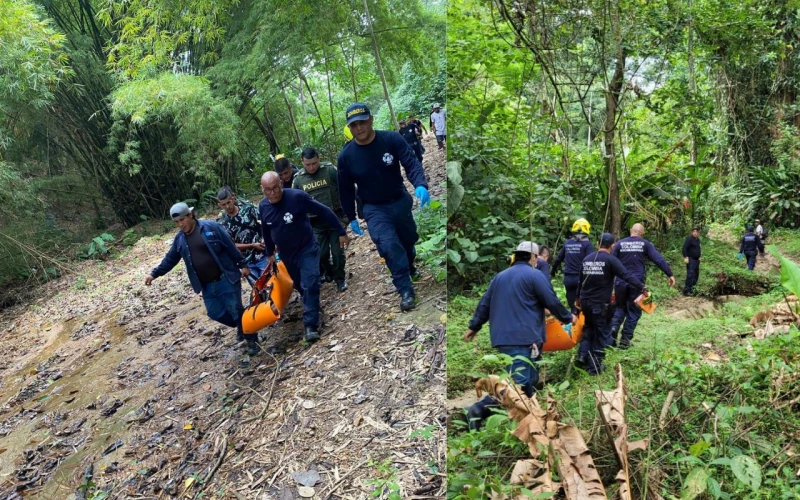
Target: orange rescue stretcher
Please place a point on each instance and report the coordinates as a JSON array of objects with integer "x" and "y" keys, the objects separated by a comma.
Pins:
[
  {"x": 558, "y": 339},
  {"x": 271, "y": 293}
]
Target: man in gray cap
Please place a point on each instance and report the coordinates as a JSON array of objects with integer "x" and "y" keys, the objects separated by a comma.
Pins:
[
  {"x": 439, "y": 124},
  {"x": 514, "y": 305},
  {"x": 214, "y": 265}
]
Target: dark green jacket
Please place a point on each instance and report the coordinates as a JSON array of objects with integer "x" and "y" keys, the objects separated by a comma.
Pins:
[{"x": 323, "y": 187}]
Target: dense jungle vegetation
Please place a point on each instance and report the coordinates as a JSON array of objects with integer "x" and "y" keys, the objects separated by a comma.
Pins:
[{"x": 666, "y": 113}]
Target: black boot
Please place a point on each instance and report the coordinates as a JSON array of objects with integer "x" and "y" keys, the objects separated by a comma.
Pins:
[
  {"x": 408, "y": 300},
  {"x": 414, "y": 273},
  {"x": 341, "y": 285},
  {"x": 312, "y": 335},
  {"x": 252, "y": 348}
]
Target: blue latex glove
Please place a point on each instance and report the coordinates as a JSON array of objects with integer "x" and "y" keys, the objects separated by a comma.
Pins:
[
  {"x": 423, "y": 195},
  {"x": 354, "y": 227},
  {"x": 568, "y": 328},
  {"x": 739, "y": 256}
]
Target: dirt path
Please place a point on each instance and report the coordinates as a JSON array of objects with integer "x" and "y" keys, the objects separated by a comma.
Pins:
[{"x": 136, "y": 388}]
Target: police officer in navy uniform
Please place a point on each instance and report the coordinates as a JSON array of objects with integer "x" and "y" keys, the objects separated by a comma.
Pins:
[
  {"x": 411, "y": 134},
  {"x": 372, "y": 160},
  {"x": 595, "y": 288},
  {"x": 691, "y": 257},
  {"x": 750, "y": 247},
  {"x": 514, "y": 306},
  {"x": 633, "y": 252},
  {"x": 284, "y": 223},
  {"x": 572, "y": 254},
  {"x": 321, "y": 181}
]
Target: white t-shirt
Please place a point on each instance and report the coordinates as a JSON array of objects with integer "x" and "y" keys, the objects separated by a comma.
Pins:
[
  {"x": 438, "y": 120},
  {"x": 759, "y": 230}
]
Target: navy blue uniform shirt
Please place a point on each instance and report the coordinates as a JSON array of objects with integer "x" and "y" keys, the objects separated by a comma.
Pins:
[
  {"x": 410, "y": 133},
  {"x": 572, "y": 254},
  {"x": 375, "y": 167},
  {"x": 514, "y": 305},
  {"x": 544, "y": 267},
  {"x": 286, "y": 223},
  {"x": 751, "y": 244},
  {"x": 691, "y": 247},
  {"x": 597, "y": 278},
  {"x": 634, "y": 252}
]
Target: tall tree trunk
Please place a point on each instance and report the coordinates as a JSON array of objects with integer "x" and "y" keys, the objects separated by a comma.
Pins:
[
  {"x": 330, "y": 94},
  {"x": 313, "y": 100},
  {"x": 380, "y": 67},
  {"x": 612, "y": 109},
  {"x": 692, "y": 87},
  {"x": 350, "y": 63},
  {"x": 291, "y": 119}
]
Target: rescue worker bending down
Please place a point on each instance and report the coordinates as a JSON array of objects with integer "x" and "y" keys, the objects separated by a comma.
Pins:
[
  {"x": 572, "y": 254},
  {"x": 633, "y": 252},
  {"x": 514, "y": 305},
  {"x": 750, "y": 247},
  {"x": 284, "y": 223},
  {"x": 595, "y": 288}
]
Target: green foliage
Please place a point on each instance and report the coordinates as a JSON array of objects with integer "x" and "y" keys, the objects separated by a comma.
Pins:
[
  {"x": 151, "y": 32},
  {"x": 774, "y": 187},
  {"x": 97, "y": 248},
  {"x": 790, "y": 272},
  {"x": 206, "y": 126},
  {"x": 32, "y": 63},
  {"x": 384, "y": 481},
  {"x": 432, "y": 232}
]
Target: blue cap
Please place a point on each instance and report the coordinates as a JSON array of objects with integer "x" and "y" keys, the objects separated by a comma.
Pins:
[
  {"x": 606, "y": 239},
  {"x": 357, "y": 111}
]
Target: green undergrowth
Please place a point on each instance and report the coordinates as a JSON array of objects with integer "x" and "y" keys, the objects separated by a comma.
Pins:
[{"x": 734, "y": 417}]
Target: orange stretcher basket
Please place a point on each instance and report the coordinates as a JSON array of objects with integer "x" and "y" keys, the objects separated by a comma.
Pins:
[
  {"x": 558, "y": 339},
  {"x": 645, "y": 302},
  {"x": 271, "y": 293}
]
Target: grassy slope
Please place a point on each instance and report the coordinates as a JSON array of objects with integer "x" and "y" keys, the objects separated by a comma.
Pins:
[{"x": 669, "y": 355}]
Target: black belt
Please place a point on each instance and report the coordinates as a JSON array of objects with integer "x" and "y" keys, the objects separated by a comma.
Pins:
[{"x": 212, "y": 282}]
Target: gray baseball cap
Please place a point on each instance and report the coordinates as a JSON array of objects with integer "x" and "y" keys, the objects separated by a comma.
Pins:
[
  {"x": 528, "y": 246},
  {"x": 179, "y": 210}
]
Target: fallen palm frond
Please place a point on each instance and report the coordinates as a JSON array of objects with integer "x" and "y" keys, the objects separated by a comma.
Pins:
[
  {"x": 555, "y": 446},
  {"x": 561, "y": 463}
]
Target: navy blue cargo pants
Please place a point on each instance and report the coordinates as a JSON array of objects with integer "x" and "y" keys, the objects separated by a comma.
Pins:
[
  {"x": 303, "y": 267},
  {"x": 394, "y": 232},
  {"x": 627, "y": 312}
]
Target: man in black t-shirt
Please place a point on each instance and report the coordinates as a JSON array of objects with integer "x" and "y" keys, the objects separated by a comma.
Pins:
[{"x": 214, "y": 265}]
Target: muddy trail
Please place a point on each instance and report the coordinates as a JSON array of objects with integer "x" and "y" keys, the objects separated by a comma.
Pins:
[{"x": 111, "y": 389}]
